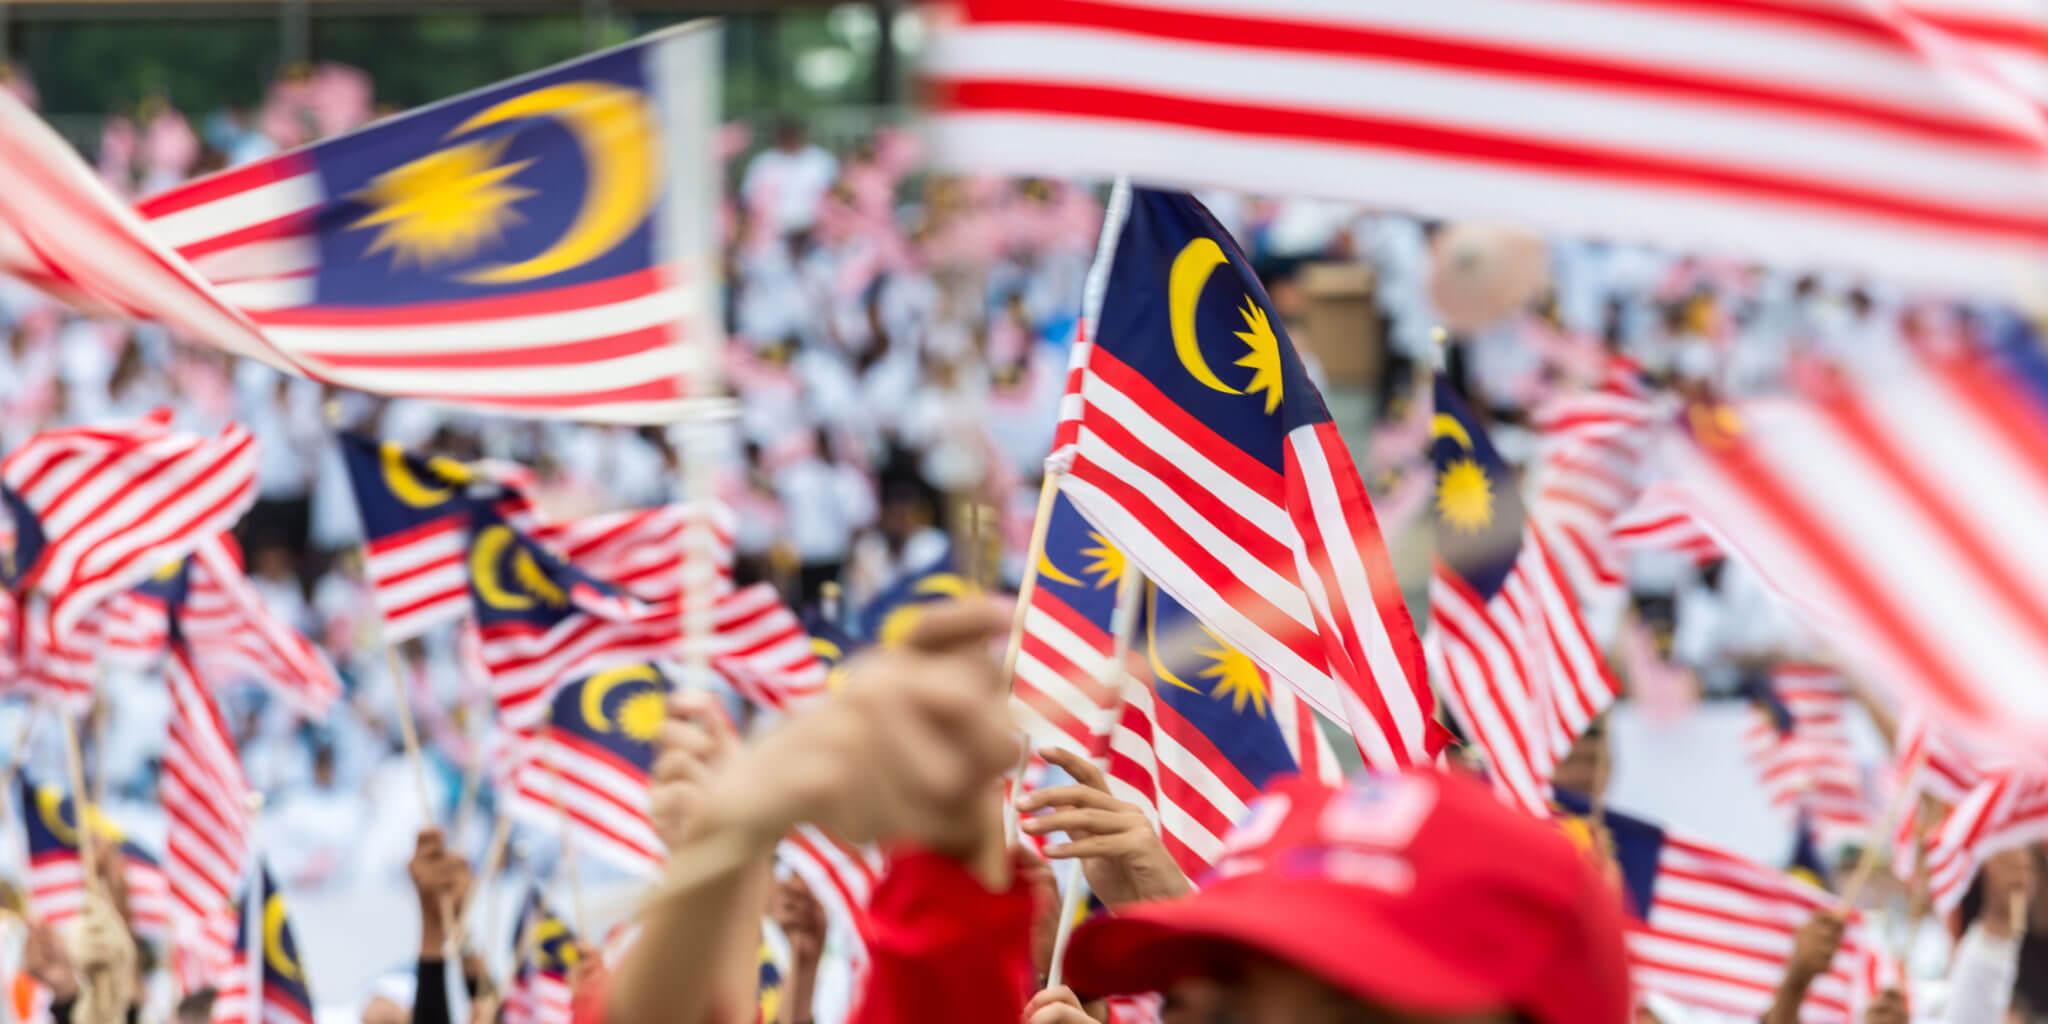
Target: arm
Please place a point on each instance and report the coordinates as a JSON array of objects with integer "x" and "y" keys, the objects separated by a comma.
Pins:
[
  {"x": 1813, "y": 948},
  {"x": 802, "y": 920},
  {"x": 906, "y": 749},
  {"x": 1987, "y": 961},
  {"x": 440, "y": 879}
]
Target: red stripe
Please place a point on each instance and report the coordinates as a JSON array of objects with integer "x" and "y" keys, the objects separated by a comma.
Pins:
[
  {"x": 225, "y": 184},
  {"x": 568, "y": 353},
  {"x": 609, "y": 291},
  {"x": 1390, "y": 608},
  {"x": 1349, "y": 40},
  {"x": 662, "y": 389},
  {"x": 1368, "y": 134},
  {"x": 1255, "y": 475},
  {"x": 291, "y": 225},
  {"x": 1491, "y": 689},
  {"x": 1747, "y": 473},
  {"x": 1992, "y": 568}
]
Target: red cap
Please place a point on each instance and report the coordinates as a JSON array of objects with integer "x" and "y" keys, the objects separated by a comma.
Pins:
[{"x": 1417, "y": 892}]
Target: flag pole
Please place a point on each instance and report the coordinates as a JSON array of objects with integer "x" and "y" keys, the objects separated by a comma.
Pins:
[
  {"x": 1866, "y": 862},
  {"x": 494, "y": 860},
  {"x": 74, "y": 765},
  {"x": 1034, "y": 552},
  {"x": 1071, "y": 902},
  {"x": 18, "y": 754},
  {"x": 568, "y": 839},
  {"x": 408, "y": 731}
]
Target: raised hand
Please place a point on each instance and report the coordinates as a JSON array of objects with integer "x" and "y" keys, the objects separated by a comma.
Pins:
[{"x": 1122, "y": 855}]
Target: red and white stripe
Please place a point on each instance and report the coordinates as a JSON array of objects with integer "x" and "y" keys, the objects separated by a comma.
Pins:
[
  {"x": 842, "y": 878},
  {"x": 419, "y": 579},
  {"x": 1588, "y": 472},
  {"x": 1519, "y": 669},
  {"x": 116, "y": 503},
  {"x": 1719, "y": 932},
  {"x": 641, "y": 553},
  {"x": 149, "y": 897},
  {"x": 2010, "y": 35},
  {"x": 1287, "y": 566},
  {"x": 206, "y": 804},
  {"x": 1058, "y": 695},
  {"x": 538, "y": 996},
  {"x": 59, "y": 671},
  {"x": 1813, "y": 768},
  {"x": 599, "y": 800},
  {"x": 761, "y": 648},
  {"x": 56, "y": 886},
  {"x": 1827, "y": 132},
  {"x": 1660, "y": 522},
  {"x": 1170, "y": 769},
  {"x": 2007, "y": 811},
  {"x": 64, "y": 232},
  {"x": 1854, "y": 504},
  {"x": 231, "y": 634}
]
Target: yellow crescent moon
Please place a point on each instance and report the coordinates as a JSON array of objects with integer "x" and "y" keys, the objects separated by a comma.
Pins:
[
  {"x": 1191, "y": 270},
  {"x": 612, "y": 125},
  {"x": 1047, "y": 569},
  {"x": 273, "y": 939},
  {"x": 944, "y": 584},
  {"x": 826, "y": 649},
  {"x": 1444, "y": 424},
  {"x": 1152, "y": 640},
  {"x": 50, "y": 804},
  {"x": 551, "y": 931},
  {"x": 398, "y": 476},
  {"x": 483, "y": 568},
  {"x": 602, "y": 684}
]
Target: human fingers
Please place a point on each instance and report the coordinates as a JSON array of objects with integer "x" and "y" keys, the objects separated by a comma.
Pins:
[
  {"x": 1078, "y": 823},
  {"x": 957, "y": 624},
  {"x": 1057, "y": 995},
  {"x": 1082, "y": 769},
  {"x": 1092, "y": 846},
  {"x": 1069, "y": 796}
]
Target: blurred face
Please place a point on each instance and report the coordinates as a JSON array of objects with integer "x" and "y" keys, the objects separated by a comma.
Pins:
[
  {"x": 1269, "y": 993},
  {"x": 1584, "y": 768}
]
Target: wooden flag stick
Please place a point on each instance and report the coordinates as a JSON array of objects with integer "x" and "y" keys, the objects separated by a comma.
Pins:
[
  {"x": 18, "y": 754},
  {"x": 1034, "y": 552},
  {"x": 568, "y": 862},
  {"x": 74, "y": 764},
  {"x": 487, "y": 875},
  {"x": 409, "y": 731},
  {"x": 1071, "y": 902},
  {"x": 1866, "y": 863}
]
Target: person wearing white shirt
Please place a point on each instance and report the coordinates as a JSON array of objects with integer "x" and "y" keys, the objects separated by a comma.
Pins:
[{"x": 788, "y": 180}]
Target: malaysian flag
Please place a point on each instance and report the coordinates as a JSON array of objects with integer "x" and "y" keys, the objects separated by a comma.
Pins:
[
  {"x": 1058, "y": 693},
  {"x": 1202, "y": 450},
  {"x": 1193, "y": 748},
  {"x": 228, "y": 630},
  {"x": 888, "y": 617},
  {"x": 541, "y": 621},
  {"x": 1801, "y": 747},
  {"x": 546, "y": 246},
  {"x": 1851, "y": 500},
  {"x": 415, "y": 514},
  {"x": 587, "y": 768},
  {"x": 1712, "y": 931},
  {"x": 543, "y": 952},
  {"x": 1593, "y": 445},
  {"x": 1507, "y": 641},
  {"x": 266, "y": 982},
  {"x": 96, "y": 510},
  {"x": 841, "y": 876},
  {"x": 2007, "y": 811},
  {"x": 761, "y": 648},
  {"x": 56, "y": 870},
  {"x": 1843, "y": 134},
  {"x": 206, "y": 806},
  {"x": 62, "y": 231}
]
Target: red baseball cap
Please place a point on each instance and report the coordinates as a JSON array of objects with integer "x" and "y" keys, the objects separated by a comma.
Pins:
[{"x": 1418, "y": 892}]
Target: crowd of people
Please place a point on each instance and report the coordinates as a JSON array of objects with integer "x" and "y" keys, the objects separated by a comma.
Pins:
[{"x": 898, "y": 345}]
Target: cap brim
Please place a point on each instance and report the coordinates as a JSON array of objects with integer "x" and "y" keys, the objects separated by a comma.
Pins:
[{"x": 1333, "y": 932}]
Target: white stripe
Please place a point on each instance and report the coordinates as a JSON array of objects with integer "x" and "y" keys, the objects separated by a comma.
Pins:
[
  {"x": 514, "y": 381},
  {"x": 239, "y": 210},
  {"x": 503, "y": 335},
  {"x": 1564, "y": 203},
  {"x": 1801, "y": 146}
]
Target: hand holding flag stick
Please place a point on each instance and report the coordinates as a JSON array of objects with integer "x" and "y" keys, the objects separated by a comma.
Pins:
[{"x": 1866, "y": 863}]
